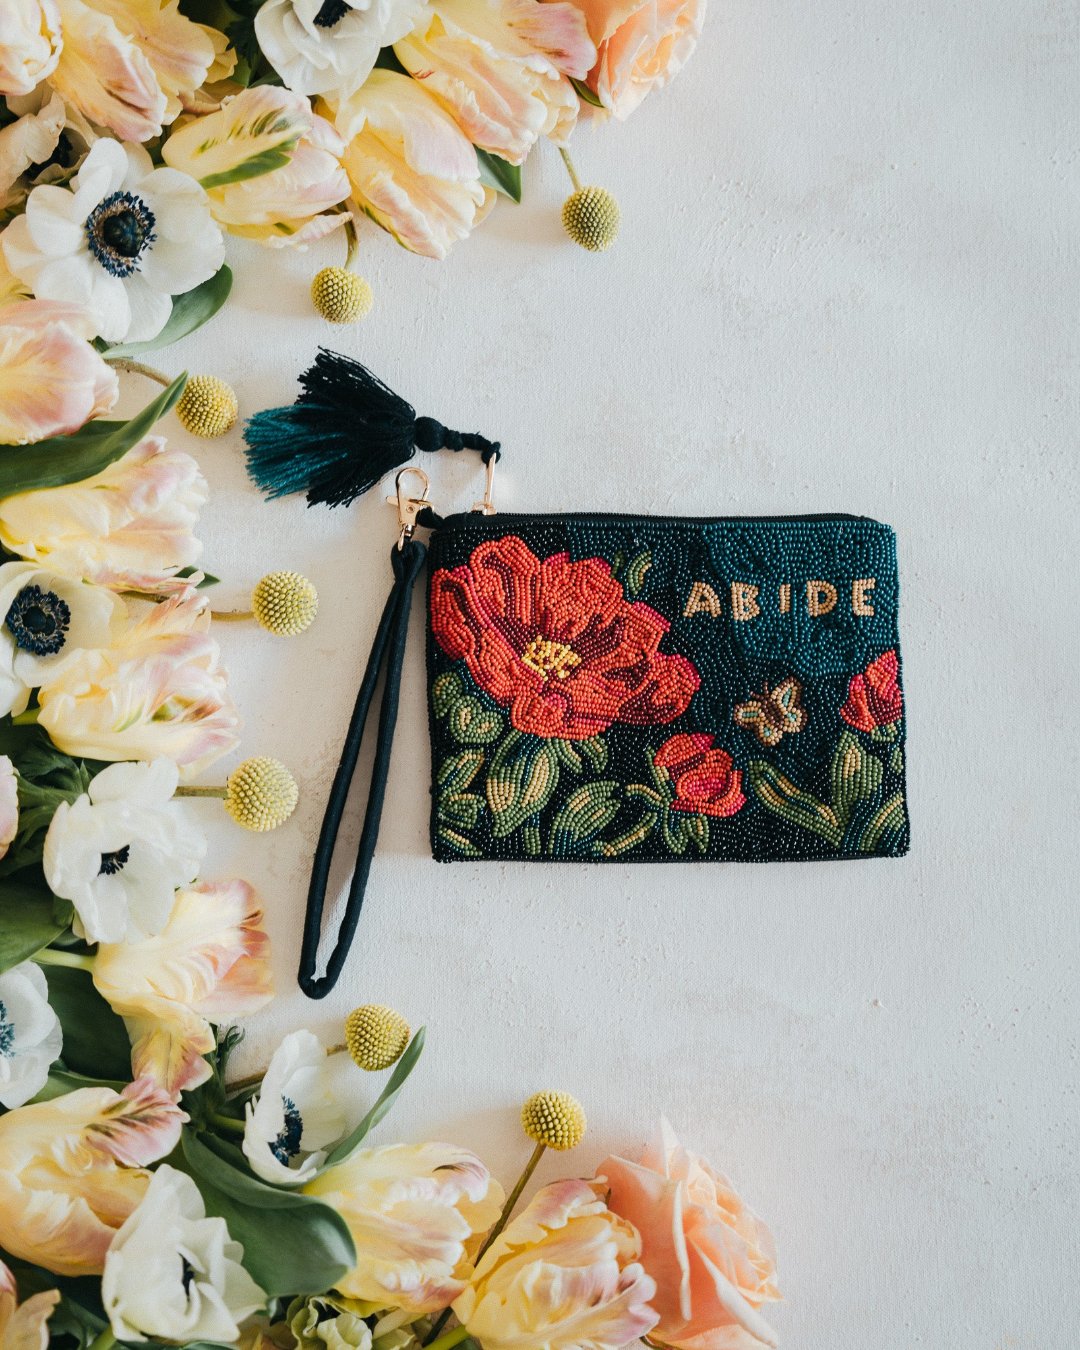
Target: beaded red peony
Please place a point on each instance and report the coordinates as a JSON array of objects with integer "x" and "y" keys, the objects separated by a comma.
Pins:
[{"x": 557, "y": 642}]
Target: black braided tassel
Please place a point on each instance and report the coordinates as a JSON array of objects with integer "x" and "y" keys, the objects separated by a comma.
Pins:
[{"x": 344, "y": 432}]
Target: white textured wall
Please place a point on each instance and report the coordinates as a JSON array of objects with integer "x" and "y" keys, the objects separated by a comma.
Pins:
[{"x": 848, "y": 280}]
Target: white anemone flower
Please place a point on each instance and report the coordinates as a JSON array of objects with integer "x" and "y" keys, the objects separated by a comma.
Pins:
[
  {"x": 122, "y": 241},
  {"x": 173, "y": 1274},
  {"x": 43, "y": 619},
  {"x": 330, "y": 46},
  {"x": 30, "y": 1035},
  {"x": 295, "y": 1116},
  {"x": 120, "y": 851}
]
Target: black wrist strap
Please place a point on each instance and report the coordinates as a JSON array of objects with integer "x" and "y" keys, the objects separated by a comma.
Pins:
[{"x": 387, "y": 653}]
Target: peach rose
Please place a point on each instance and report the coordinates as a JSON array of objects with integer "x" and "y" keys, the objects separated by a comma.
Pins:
[
  {"x": 711, "y": 1257},
  {"x": 640, "y": 46}
]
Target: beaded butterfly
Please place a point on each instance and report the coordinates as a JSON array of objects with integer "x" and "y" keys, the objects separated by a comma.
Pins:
[{"x": 774, "y": 713}]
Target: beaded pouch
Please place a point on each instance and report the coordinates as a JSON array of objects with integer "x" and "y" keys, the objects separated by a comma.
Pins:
[
  {"x": 608, "y": 688},
  {"x": 618, "y": 688}
]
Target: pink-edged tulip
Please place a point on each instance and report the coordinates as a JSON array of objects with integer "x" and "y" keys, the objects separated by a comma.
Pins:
[
  {"x": 500, "y": 68},
  {"x": 24, "y": 1326},
  {"x": 411, "y": 167},
  {"x": 72, "y": 1169},
  {"x": 416, "y": 1213},
  {"x": 130, "y": 527},
  {"x": 30, "y": 44},
  {"x": 563, "y": 1274},
  {"x": 158, "y": 690},
  {"x": 52, "y": 380},
  {"x": 284, "y": 202},
  {"x": 210, "y": 963}
]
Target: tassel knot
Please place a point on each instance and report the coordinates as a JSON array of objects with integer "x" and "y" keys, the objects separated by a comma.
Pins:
[{"x": 344, "y": 432}]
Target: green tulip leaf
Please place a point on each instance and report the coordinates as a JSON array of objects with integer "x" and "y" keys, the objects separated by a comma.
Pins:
[
  {"x": 96, "y": 1042},
  {"x": 71, "y": 459},
  {"x": 791, "y": 802},
  {"x": 384, "y": 1102},
  {"x": 30, "y": 918},
  {"x": 586, "y": 94},
  {"x": 888, "y": 820},
  {"x": 497, "y": 173},
  {"x": 189, "y": 312},
  {"x": 582, "y": 816},
  {"x": 523, "y": 775},
  {"x": 854, "y": 774},
  {"x": 293, "y": 1243}
]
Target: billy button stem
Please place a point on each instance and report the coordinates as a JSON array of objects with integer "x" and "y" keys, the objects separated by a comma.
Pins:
[
  {"x": 590, "y": 215},
  {"x": 338, "y": 293},
  {"x": 208, "y": 406},
  {"x": 554, "y": 1120}
]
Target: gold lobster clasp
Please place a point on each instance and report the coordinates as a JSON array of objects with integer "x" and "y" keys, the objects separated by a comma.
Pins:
[
  {"x": 486, "y": 507},
  {"x": 408, "y": 508}
]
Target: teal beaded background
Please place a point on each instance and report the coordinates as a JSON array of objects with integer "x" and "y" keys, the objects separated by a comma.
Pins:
[{"x": 608, "y": 688}]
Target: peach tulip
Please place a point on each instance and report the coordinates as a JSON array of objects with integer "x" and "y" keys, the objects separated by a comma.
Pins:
[
  {"x": 712, "y": 1258},
  {"x": 500, "y": 67},
  {"x": 24, "y": 1326},
  {"x": 129, "y": 527},
  {"x": 640, "y": 46},
  {"x": 416, "y": 1213},
  {"x": 411, "y": 167},
  {"x": 51, "y": 379},
  {"x": 158, "y": 690},
  {"x": 210, "y": 963},
  {"x": 127, "y": 65},
  {"x": 271, "y": 167},
  {"x": 72, "y": 1169},
  {"x": 30, "y": 140},
  {"x": 30, "y": 44},
  {"x": 563, "y": 1274}
]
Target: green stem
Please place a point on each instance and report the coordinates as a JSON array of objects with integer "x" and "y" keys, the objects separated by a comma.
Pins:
[
  {"x": 105, "y": 1341},
  {"x": 570, "y": 168},
  {"x": 451, "y": 1339},
  {"x": 232, "y": 615},
  {"x": 49, "y": 956},
  {"x": 139, "y": 368},
  {"x": 184, "y": 790},
  {"x": 26, "y": 719},
  {"x": 352, "y": 242},
  {"x": 226, "y": 1123},
  {"x": 500, "y": 1223}
]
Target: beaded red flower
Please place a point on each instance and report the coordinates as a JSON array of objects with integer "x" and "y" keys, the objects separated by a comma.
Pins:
[
  {"x": 873, "y": 698},
  {"x": 557, "y": 642},
  {"x": 706, "y": 782}
]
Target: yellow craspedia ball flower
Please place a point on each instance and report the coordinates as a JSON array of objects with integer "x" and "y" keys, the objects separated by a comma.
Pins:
[
  {"x": 285, "y": 603},
  {"x": 340, "y": 295},
  {"x": 554, "y": 1118},
  {"x": 261, "y": 794},
  {"x": 207, "y": 407},
  {"x": 590, "y": 216},
  {"x": 376, "y": 1036}
]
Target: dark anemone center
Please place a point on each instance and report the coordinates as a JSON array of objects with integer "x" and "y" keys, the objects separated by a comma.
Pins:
[
  {"x": 287, "y": 1145},
  {"x": 119, "y": 230},
  {"x": 7, "y": 1033},
  {"x": 38, "y": 620},
  {"x": 331, "y": 12},
  {"x": 187, "y": 1275},
  {"x": 111, "y": 863}
]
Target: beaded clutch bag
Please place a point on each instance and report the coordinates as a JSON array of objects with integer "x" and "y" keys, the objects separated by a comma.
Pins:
[
  {"x": 607, "y": 688},
  {"x": 619, "y": 688}
]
